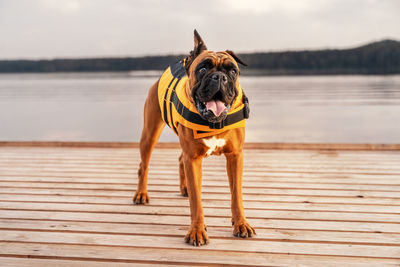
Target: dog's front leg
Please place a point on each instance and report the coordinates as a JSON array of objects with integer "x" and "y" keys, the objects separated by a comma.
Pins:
[
  {"x": 197, "y": 235},
  {"x": 234, "y": 166}
]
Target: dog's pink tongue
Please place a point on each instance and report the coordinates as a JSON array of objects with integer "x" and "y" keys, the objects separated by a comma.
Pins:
[{"x": 216, "y": 106}]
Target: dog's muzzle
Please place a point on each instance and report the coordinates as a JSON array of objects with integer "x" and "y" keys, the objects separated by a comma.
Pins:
[{"x": 208, "y": 114}]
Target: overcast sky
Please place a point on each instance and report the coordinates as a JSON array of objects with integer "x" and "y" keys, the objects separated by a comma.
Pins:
[{"x": 96, "y": 28}]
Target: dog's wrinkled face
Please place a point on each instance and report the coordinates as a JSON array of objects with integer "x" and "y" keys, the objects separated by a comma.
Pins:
[
  {"x": 213, "y": 84},
  {"x": 213, "y": 80}
]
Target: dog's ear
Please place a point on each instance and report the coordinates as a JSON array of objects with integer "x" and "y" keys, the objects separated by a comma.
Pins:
[
  {"x": 238, "y": 60},
  {"x": 199, "y": 46}
]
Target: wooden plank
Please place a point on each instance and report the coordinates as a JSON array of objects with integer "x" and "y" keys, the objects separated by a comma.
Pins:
[
  {"x": 18, "y": 169},
  {"x": 121, "y": 153},
  {"x": 375, "y": 166},
  {"x": 248, "y": 181},
  {"x": 322, "y": 146},
  {"x": 234, "y": 245},
  {"x": 280, "y": 146},
  {"x": 107, "y": 191},
  {"x": 171, "y": 184},
  {"x": 348, "y": 183},
  {"x": 251, "y": 159},
  {"x": 211, "y": 197},
  {"x": 182, "y": 220},
  {"x": 131, "y": 162},
  {"x": 259, "y": 159},
  {"x": 256, "y": 158},
  {"x": 225, "y": 232},
  {"x": 193, "y": 257},
  {"x": 209, "y": 212},
  {"x": 213, "y": 175},
  {"x": 344, "y": 206},
  {"x": 98, "y": 154},
  {"x": 46, "y": 262},
  {"x": 132, "y": 155},
  {"x": 159, "y": 199},
  {"x": 209, "y": 175}
]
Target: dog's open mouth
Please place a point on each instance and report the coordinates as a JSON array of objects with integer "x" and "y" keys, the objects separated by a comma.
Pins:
[
  {"x": 216, "y": 106},
  {"x": 213, "y": 110}
]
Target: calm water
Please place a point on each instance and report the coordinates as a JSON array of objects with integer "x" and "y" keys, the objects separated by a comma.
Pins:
[{"x": 109, "y": 107}]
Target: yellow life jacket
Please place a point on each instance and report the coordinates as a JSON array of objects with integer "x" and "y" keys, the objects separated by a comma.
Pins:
[{"x": 176, "y": 108}]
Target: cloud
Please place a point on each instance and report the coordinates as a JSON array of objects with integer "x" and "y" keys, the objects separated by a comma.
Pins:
[
  {"x": 86, "y": 28},
  {"x": 270, "y": 6},
  {"x": 65, "y": 6}
]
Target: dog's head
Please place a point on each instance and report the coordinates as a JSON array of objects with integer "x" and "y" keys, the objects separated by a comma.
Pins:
[{"x": 213, "y": 80}]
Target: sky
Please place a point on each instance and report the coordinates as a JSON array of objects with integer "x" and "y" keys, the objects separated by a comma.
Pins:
[{"x": 46, "y": 29}]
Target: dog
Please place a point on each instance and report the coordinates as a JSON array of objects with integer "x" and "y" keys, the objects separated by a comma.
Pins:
[{"x": 201, "y": 100}]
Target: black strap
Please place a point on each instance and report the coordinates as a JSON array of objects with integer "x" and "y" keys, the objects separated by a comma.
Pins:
[
  {"x": 170, "y": 106},
  {"x": 178, "y": 70},
  {"x": 195, "y": 117},
  {"x": 165, "y": 103}
]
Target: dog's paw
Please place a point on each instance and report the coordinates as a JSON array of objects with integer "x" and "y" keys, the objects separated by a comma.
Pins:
[
  {"x": 197, "y": 236},
  {"x": 243, "y": 229},
  {"x": 141, "y": 198},
  {"x": 184, "y": 191}
]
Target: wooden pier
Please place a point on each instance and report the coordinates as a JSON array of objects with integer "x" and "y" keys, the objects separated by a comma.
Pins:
[{"x": 69, "y": 204}]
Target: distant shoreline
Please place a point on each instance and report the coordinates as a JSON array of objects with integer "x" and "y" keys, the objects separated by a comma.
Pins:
[
  {"x": 157, "y": 73},
  {"x": 375, "y": 58}
]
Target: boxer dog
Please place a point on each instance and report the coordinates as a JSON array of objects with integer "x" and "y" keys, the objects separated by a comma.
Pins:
[{"x": 201, "y": 100}]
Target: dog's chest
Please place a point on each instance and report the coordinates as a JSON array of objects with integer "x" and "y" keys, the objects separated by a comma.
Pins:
[{"x": 214, "y": 145}]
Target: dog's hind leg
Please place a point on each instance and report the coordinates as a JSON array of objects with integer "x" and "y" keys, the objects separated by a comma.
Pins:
[
  {"x": 182, "y": 177},
  {"x": 152, "y": 128}
]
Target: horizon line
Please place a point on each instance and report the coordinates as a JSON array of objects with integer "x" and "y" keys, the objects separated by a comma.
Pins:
[{"x": 182, "y": 54}]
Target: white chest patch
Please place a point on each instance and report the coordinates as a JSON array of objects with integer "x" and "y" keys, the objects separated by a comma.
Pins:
[{"x": 213, "y": 143}]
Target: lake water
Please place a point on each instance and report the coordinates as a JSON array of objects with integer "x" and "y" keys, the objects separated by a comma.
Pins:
[{"x": 109, "y": 107}]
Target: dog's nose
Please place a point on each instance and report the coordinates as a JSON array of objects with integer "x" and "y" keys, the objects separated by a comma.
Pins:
[
  {"x": 215, "y": 77},
  {"x": 219, "y": 77}
]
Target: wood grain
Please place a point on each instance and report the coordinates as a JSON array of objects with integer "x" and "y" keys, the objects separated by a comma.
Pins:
[{"x": 69, "y": 204}]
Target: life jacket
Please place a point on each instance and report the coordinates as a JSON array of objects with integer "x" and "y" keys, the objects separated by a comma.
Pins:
[{"x": 176, "y": 108}]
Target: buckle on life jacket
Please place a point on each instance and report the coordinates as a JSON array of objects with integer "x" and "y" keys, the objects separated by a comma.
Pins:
[{"x": 217, "y": 125}]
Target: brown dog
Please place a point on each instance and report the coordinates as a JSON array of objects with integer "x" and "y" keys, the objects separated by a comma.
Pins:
[{"x": 200, "y": 98}]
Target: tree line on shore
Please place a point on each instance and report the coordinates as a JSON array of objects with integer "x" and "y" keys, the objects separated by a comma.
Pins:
[{"x": 375, "y": 58}]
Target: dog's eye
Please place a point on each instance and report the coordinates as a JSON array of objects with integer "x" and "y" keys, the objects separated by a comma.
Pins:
[
  {"x": 202, "y": 70},
  {"x": 233, "y": 72}
]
